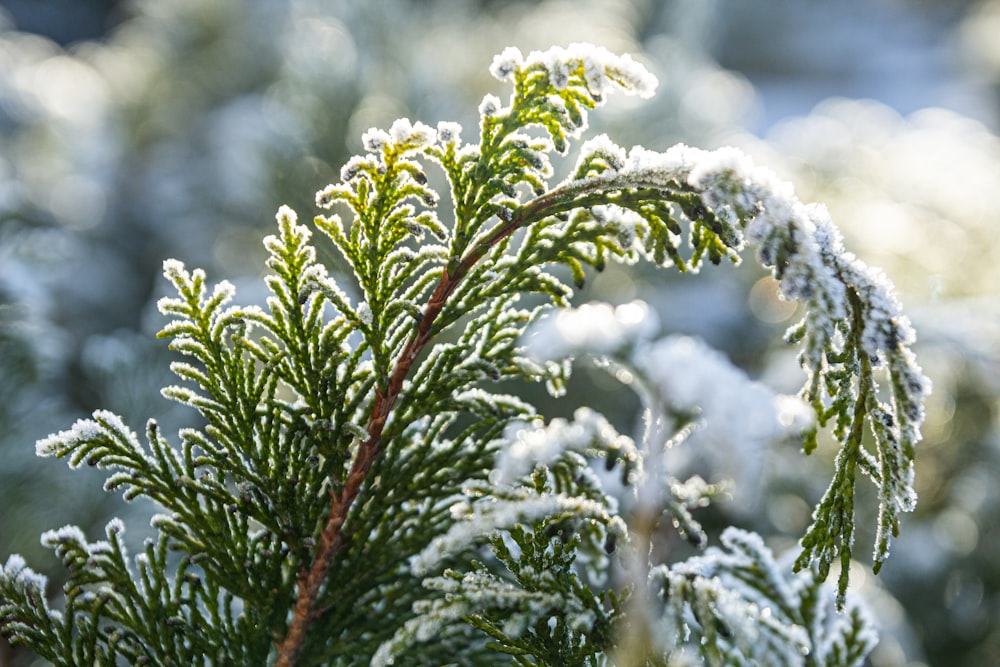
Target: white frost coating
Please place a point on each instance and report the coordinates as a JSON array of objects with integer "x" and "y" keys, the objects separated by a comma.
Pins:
[
  {"x": 99, "y": 548},
  {"x": 174, "y": 268},
  {"x": 251, "y": 312},
  {"x": 475, "y": 591},
  {"x": 114, "y": 423},
  {"x": 731, "y": 185},
  {"x": 557, "y": 62},
  {"x": 286, "y": 215},
  {"x": 479, "y": 520},
  {"x": 223, "y": 292},
  {"x": 613, "y": 154},
  {"x": 885, "y": 324},
  {"x": 68, "y": 533},
  {"x": 315, "y": 274},
  {"x": 115, "y": 527},
  {"x": 479, "y": 592},
  {"x": 17, "y": 571},
  {"x": 411, "y": 136},
  {"x": 365, "y": 313},
  {"x": 15, "y": 564},
  {"x": 83, "y": 430},
  {"x": 528, "y": 444},
  {"x": 800, "y": 244},
  {"x": 374, "y": 140},
  {"x": 506, "y": 63},
  {"x": 490, "y": 105},
  {"x": 629, "y": 227},
  {"x": 745, "y": 549},
  {"x": 742, "y": 584},
  {"x": 602, "y": 69},
  {"x": 752, "y": 630},
  {"x": 403, "y": 136},
  {"x": 104, "y": 425},
  {"x": 449, "y": 133},
  {"x": 350, "y": 169},
  {"x": 597, "y": 329}
]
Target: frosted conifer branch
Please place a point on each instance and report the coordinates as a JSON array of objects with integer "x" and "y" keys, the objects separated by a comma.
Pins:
[
  {"x": 461, "y": 597},
  {"x": 340, "y": 426},
  {"x": 25, "y": 611},
  {"x": 733, "y": 418},
  {"x": 737, "y": 599},
  {"x": 526, "y": 445},
  {"x": 475, "y": 522},
  {"x": 853, "y": 324},
  {"x": 601, "y": 69}
]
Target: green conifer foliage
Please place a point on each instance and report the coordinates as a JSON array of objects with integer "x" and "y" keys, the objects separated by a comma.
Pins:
[{"x": 360, "y": 491}]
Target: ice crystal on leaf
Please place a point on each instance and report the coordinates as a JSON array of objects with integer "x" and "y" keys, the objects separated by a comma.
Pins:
[
  {"x": 739, "y": 603},
  {"x": 82, "y": 430},
  {"x": 526, "y": 445},
  {"x": 602, "y": 70},
  {"x": 359, "y": 490}
]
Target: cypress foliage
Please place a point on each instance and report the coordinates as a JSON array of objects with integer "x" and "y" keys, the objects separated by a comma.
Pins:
[{"x": 361, "y": 491}]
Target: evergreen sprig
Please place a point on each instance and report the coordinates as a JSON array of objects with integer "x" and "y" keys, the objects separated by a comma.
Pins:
[
  {"x": 744, "y": 608},
  {"x": 360, "y": 484}
]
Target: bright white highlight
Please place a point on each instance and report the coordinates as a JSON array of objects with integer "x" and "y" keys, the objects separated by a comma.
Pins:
[{"x": 596, "y": 329}]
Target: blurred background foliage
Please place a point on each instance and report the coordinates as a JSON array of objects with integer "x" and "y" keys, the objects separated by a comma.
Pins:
[{"x": 133, "y": 131}]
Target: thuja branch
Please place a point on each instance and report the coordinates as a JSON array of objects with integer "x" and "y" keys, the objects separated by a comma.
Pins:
[
  {"x": 370, "y": 407},
  {"x": 331, "y": 539},
  {"x": 310, "y": 581}
]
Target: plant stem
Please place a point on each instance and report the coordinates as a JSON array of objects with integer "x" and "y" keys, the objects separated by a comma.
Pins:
[{"x": 331, "y": 541}]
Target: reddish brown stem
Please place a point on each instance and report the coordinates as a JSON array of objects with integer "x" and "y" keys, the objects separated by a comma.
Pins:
[
  {"x": 331, "y": 540},
  {"x": 310, "y": 581}
]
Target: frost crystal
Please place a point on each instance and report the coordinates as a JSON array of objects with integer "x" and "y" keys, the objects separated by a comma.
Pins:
[
  {"x": 365, "y": 313},
  {"x": 411, "y": 137},
  {"x": 449, "y": 133},
  {"x": 602, "y": 69},
  {"x": 115, "y": 527},
  {"x": 18, "y": 571},
  {"x": 286, "y": 215},
  {"x": 784, "y": 229},
  {"x": 613, "y": 155},
  {"x": 348, "y": 172},
  {"x": 173, "y": 268},
  {"x": 736, "y": 599},
  {"x": 83, "y": 430},
  {"x": 374, "y": 140},
  {"x": 528, "y": 444},
  {"x": 459, "y": 596},
  {"x": 506, "y": 63},
  {"x": 797, "y": 241},
  {"x": 66, "y": 534},
  {"x": 490, "y": 105},
  {"x": 480, "y": 520}
]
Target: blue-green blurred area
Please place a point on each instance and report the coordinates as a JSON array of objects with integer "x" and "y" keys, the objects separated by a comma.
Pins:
[{"x": 131, "y": 132}]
